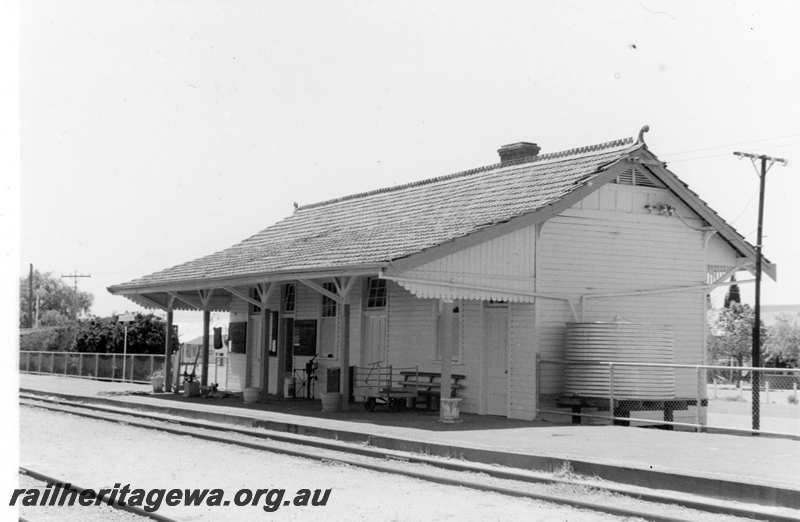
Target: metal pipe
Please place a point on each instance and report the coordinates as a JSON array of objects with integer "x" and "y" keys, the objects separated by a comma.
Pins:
[
  {"x": 698, "y": 416},
  {"x": 667, "y": 365},
  {"x": 666, "y": 290},
  {"x": 672, "y": 423},
  {"x": 611, "y": 392},
  {"x": 124, "y": 351}
]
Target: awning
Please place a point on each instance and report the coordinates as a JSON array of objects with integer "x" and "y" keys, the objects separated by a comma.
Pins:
[{"x": 449, "y": 290}]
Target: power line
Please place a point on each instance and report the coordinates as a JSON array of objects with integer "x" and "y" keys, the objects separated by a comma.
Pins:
[
  {"x": 721, "y": 154},
  {"x": 728, "y": 145}
]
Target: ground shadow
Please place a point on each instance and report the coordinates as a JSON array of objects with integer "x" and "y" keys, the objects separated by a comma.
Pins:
[{"x": 416, "y": 418}]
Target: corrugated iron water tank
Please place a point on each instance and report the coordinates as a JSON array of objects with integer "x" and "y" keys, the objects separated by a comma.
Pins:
[{"x": 619, "y": 341}]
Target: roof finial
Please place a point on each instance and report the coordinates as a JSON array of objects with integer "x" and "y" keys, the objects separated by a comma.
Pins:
[
  {"x": 296, "y": 206},
  {"x": 644, "y": 129}
]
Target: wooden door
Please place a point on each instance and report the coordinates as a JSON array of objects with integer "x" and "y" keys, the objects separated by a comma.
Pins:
[
  {"x": 497, "y": 360},
  {"x": 374, "y": 337}
]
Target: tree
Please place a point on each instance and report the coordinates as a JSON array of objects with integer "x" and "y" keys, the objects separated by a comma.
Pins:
[
  {"x": 732, "y": 334},
  {"x": 55, "y": 302},
  {"x": 106, "y": 335},
  {"x": 733, "y": 295},
  {"x": 782, "y": 348}
]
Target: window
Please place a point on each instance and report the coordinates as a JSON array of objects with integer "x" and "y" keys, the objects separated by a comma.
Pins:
[
  {"x": 450, "y": 335},
  {"x": 288, "y": 297},
  {"x": 328, "y": 304},
  {"x": 376, "y": 293}
]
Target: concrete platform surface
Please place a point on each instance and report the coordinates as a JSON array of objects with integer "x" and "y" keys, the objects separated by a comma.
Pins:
[{"x": 762, "y": 461}]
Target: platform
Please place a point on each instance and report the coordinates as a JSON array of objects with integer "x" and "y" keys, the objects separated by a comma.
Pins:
[{"x": 754, "y": 469}]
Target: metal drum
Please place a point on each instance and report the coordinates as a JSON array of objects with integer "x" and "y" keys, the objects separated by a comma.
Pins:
[{"x": 619, "y": 341}]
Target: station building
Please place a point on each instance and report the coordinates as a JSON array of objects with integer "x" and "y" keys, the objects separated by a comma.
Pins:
[{"x": 473, "y": 273}]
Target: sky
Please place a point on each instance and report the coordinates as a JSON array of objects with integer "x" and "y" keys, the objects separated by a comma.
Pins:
[{"x": 155, "y": 132}]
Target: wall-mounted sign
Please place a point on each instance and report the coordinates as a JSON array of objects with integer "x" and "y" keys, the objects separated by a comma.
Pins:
[
  {"x": 237, "y": 333},
  {"x": 305, "y": 337}
]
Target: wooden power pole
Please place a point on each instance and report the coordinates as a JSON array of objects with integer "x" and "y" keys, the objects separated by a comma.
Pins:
[
  {"x": 30, "y": 295},
  {"x": 764, "y": 164},
  {"x": 75, "y": 276}
]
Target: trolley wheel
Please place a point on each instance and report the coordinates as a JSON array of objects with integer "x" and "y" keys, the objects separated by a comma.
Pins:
[{"x": 369, "y": 404}]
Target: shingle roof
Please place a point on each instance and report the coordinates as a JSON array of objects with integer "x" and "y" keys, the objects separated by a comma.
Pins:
[{"x": 386, "y": 224}]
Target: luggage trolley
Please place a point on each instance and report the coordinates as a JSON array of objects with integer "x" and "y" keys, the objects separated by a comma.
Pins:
[{"x": 383, "y": 385}]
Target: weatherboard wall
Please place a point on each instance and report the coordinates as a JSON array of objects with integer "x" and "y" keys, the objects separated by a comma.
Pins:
[{"x": 605, "y": 243}]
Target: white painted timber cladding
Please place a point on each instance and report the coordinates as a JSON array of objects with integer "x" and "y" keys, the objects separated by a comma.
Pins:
[
  {"x": 720, "y": 253},
  {"x": 412, "y": 331},
  {"x": 521, "y": 355},
  {"x": 505, "y": 262},
  {"x": 610, "y": 245},
  {"x": 354, "y": 299},
  {"x": 472, "y": 341},
  {"x": 235, "y": 372}
]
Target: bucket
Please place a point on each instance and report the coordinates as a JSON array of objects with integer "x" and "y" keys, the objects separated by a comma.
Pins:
[
  {"x": 251, "y": 394},
  {"x": 331, "y": 401},
  {"x": 191, "y": 389},
  {"x": 449, "y": 411},
  {"x": 158, "y": 384}
]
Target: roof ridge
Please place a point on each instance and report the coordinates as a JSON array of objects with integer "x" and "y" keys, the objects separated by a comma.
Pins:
[{"x": 551, "y": 155}]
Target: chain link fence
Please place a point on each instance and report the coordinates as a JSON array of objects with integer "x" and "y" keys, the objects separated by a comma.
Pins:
[
  {"x": 675, "y": 396},
  {"x": 136, "y": 368}
]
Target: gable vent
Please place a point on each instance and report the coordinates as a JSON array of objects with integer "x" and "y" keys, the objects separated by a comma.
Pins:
[{"x": 637, "y": 178}]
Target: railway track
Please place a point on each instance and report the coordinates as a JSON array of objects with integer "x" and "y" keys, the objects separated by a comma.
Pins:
[
  {"x": 137, "y": 512},
  {"x": 432, "y": 469}
]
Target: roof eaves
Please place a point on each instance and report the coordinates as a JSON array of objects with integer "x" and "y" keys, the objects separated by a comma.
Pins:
[
  {"x": 733, "y": 236},
  {"x": 239, "y": 279}
]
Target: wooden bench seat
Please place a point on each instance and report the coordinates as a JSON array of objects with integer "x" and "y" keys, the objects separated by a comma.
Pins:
[{"x": 428, "y": 385}]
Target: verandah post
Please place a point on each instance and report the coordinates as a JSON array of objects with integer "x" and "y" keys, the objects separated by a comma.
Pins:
[
  {"x": 167, "y": 346},
  {"x": 266, "y": 335},
  {"x": 446, "y": 353},
  {"x": 343, "y": 340},
  {"x": 206, "y": 325}
]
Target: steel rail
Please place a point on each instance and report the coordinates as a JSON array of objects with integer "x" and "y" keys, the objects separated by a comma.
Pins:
[
  {"x": 62, "y": 406},
  {"x": 115, "y": 505}
]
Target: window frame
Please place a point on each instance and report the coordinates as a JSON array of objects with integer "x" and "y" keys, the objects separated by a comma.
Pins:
[
  {"x": 288, "y": 289},
  {"x": 329, "y": 307},
  {"x": 368, "y": 298},
  {"x": 254, "y": 295}
]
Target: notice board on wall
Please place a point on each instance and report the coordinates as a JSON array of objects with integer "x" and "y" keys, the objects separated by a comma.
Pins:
[
  {"x": 237, "y": 333},
  {"x": 305, "y": 337}
]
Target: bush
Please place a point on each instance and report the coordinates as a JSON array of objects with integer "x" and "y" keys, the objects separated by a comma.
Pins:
[{"x": 50, "y": 339}]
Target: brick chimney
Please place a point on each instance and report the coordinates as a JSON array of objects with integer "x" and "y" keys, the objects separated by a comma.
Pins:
[{"x": 518, "y": 152}]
